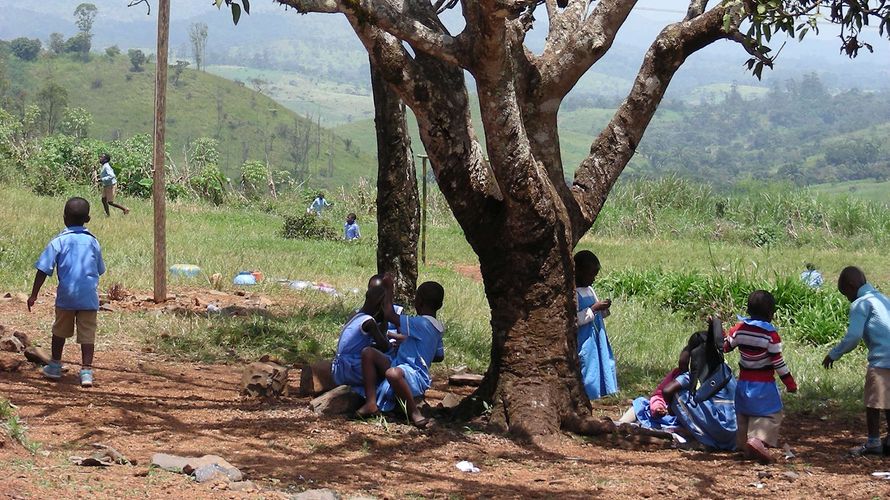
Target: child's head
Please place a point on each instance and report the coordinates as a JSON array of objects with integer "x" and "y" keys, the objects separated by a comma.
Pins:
[
  {"x": 587, "y": 266},
  {"x": 761, "y": 305},
  {"x": 77, "y": 212},
  {"x": 104, "y": 158},
  {"x": 374, "y": 298},
  {"x": 321, "y": 195},
  {"x": 850, "y": 281},
  {"x": 811, "y": 266},
  {"x": 429, "y": 297},
  {"x": 694, "y": 341},
  {"x": 350, "y": 218},
  {"x": 376, "y": 280}
]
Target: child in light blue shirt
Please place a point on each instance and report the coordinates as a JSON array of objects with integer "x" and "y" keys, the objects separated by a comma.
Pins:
[
  {"x": 350, "y": 229},
  {"x": 870, "y": 323},
  {"x": 76, "y": 255},
  {"x": 109, "y": 185},
  {"x": 318, "y": 205}
]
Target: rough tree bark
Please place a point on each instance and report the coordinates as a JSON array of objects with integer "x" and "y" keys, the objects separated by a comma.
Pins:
[
  {"x": 517, "y": 212},
  {"x": 398, "y": 204}
]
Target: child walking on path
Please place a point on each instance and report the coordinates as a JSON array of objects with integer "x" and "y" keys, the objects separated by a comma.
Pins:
[
  {"x": 109, "y": 185},
  {"x": 869, "y": 322},
  {"x": 758, "y": 405},
  {"x": 75, "y": 253},
  {"x": 598, "y": 371},
  {"x": 407, "y": 375}
]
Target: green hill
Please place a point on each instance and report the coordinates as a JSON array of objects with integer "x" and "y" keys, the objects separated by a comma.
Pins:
[{"x": 247, "y": 124}]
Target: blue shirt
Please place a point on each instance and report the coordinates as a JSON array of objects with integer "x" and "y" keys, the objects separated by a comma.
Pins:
[
  {"x": 812, "y": 279},
  {"x": 870, "y": 322},
  {"x": 106, "y": 175},
  {"x": 77, "y": 256},
  {"x": 351, "y": 231},
  {"x": 423, "y": 342},
  {"x": 318, "y": 204}
]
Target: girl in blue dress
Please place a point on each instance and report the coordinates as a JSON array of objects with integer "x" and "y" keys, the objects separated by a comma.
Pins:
[{"x": 598, "y": 372}]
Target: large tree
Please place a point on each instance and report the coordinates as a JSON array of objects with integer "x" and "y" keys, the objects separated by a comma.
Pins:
[{"x": 517, "y": 211}]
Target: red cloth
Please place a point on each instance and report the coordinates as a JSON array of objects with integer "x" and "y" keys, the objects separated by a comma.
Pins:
[{"x": 656, "y": 400}]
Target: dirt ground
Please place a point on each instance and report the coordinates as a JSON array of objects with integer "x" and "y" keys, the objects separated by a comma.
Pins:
[{"x": 144, "y": 404}]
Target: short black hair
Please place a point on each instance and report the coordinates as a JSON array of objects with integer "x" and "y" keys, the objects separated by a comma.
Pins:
[
  {"x": 77, "y": 211},
  {"x": 583, "y": 260},
  {"x": 107, "y": 156},
  {"x": 351, "y": 214},
  {"x": 431, "y": 294},
  {"x": 761, "y": 304},
  {"x": 852, "y": 276},
  {"x": 376, "y": 280}
]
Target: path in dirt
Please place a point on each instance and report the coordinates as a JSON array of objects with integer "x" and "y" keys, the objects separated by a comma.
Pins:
[{"x": 143, "y": 404}]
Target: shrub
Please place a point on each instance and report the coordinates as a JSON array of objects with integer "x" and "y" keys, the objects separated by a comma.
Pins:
[
  {"x": 210, "y": 184},
  {"x": 254, "y": 177},
  {"x": 308, "y": 227},
  {"x": 26, "y": 49}
]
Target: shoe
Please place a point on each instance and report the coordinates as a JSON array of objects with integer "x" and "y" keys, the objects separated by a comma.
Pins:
[
  {"x": 758, "y": 451},
  {"x": 53, "y": 370},
  {"x": 86, "y": 378},
  {"x": 864, "y": 450}
]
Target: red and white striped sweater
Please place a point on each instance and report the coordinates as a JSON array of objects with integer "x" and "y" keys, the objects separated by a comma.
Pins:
[{"x": 761, "y": 354}]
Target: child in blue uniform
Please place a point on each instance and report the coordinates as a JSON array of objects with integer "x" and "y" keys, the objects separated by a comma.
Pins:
[
  {"x": 407, "y": 375},
  {"x": 598, "y": 372},
  {"x": 350, "y": 229},
  {"x": 361, "y": 331}
]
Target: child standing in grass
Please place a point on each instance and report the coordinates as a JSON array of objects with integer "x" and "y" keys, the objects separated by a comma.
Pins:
[
  {"x": 318, "y": 205},
  {"x": 75, "y": 253},
  {"x": 109, "y": 185},
  {"x": 869, "y": 322},
  {"x": 407, "y": 375},
  {"x": 350, "y": 229},
  {"x": 758, "y": 405},
  {"x": 598, "y": 371}
]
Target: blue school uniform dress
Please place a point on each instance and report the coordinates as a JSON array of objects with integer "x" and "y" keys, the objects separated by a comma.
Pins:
[
  {"x": 347, "y": 365},
  {"x": 351, "y": 231},
  {"x": 76, "y": 255},
  {"x": 415, "y": 355},
  {"x": 711, "y": 422},
  {"x": 598, "y": 371}
]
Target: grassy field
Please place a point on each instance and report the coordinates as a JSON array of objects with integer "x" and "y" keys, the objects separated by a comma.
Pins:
[
  {"x": 645, "y": 336},
  {"x": 202, "y": 105},
  {"x": 867, "y": 189}
]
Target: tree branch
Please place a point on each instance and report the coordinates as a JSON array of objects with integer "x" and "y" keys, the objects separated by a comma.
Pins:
[
  {"x": 394, "y": 20},
  {"x": 616, "y": 144},
  {"x": 696, "y": 8}
]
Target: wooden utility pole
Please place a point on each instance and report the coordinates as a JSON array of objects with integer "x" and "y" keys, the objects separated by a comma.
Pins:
[
  {"x": 423, "y": 211},
  {"x": 158, "y": 186}
]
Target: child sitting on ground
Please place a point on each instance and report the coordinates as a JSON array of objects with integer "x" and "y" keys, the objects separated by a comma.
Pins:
[
  {"x": 350, "y": 229},
  {"x": 598, "y": 371},
  {"x": 407, "y": 375},
  {"x": 757, "y": 402},
  {"x": 76, "y": 254},
  {"x": 869, "y": 322},
  {"x": 362, "y": 330}
]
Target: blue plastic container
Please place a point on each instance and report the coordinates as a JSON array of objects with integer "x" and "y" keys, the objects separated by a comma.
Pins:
[
  {"x": 244, "y": 278},
  {"x": 185, "y": 270}
]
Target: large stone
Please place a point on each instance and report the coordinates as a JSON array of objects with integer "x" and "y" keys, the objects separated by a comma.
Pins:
[
  {"x": 23, "y": 338},
  {"x": 9, "y": 362},
  {"x": 316, "y": 378},
  {"x": 322, "y": 494},
  {"x": 37, "y": 355},
  {"x": 171, "y": 463},
  {"x": 264, "y": 380},
  {"x": 208, "y": 465},
  {"x": 11, "y": 344},
  {"x": 450, "y": 401},
  {"x": 465, "y": 379},
  {"x": 338, "y": 401}
]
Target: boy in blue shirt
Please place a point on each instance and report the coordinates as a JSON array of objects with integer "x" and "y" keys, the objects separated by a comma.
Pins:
[
  {"x": 318, "y": 205},
  {"x": 109, "y": 185},
  {"x": 407, "y": 375},
  {"x": 869, "y": 322},
  {"x": 350, "y": 229},
  {"x": 76, "y": 254}
]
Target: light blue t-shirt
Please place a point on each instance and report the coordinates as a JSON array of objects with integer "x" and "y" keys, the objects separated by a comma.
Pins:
[
  {"x": 423, "y": 343},
  {"x": 812, "y": 279},
  {"x": 106, "y": 175},
  {"x": 318, "y": 205},
  {"x": 869, "y": 322},
  {"x": 351, "y": 231},
  {"x": 77, "y": 256}
]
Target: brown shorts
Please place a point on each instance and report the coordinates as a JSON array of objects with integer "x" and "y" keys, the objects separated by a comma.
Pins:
[
  {"x": 86, "y": 323},
  {"x": 764, "y": 428},
  {"x": 877, "y": 388},
  {"x": 108, "y": 192}
]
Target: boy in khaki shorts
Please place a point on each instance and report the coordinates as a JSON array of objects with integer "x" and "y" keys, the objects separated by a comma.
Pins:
[
  {"x": 109, "y": 185},
  {"x": 869, "y": 322},
  {"x": 76, "y": 254}
]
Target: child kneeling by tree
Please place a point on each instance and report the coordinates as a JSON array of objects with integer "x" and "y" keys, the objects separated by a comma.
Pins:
[{"x": 407, "y": 375}]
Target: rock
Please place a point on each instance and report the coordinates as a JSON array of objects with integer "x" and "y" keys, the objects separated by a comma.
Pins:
[
  {"x": 209, "y": 473},
  {"x": 37, "y": 355},
  {"x": 316, "y": 378},
  {"x": 322, "y": 494},
  {"x": 791, "y": 475},
  {"x": 11, "y": 344},
  {"x": 23, "y": 338},
  {"x": 170, "y": 463},
  {"x": 265, "y": 380},
  {"x": 338, "y": 401},
  {"x": 9, "y": 363},
  {"x": 221, "y": 465},
  {"x": 465, "y": 379},
  {"x": 244, "y": 487},
  {"x": 112, "y": 454},
  {"x": 361, "y": 497},
  {"x": 450, "y": 401}
]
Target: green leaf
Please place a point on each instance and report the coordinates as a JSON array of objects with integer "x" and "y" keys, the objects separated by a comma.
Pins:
[
  {"x": 727, "y": 19},
  {"x": 236, "y": 13},
  {"x": 761, "y": 9},
  {"x": 218, "y": 3},
  {"x": 246, "y": 4}
]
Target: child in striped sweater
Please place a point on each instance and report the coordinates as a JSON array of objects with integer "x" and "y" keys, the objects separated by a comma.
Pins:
[{"x": 757, "y": 401}]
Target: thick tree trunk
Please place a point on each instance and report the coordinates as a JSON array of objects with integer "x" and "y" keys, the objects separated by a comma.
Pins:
[{"x": 398, "y": 206}]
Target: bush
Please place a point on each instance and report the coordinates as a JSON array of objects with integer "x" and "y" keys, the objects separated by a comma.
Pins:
[
  {"x": 210, "y": 184},
  {"x": 58, "y": 162},
  {"x": 26, "y": 49},
  {"x": 254, "y": 178},
  {"x": 308, "y": 227}
]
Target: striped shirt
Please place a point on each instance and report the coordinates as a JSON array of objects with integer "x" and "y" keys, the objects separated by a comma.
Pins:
[{"x": 760, "y": 348}]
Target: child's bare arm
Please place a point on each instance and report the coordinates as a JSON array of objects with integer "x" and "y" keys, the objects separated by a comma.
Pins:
[
  {"x": 39, "y": 279},
  {"x": 373, "y": 329}
]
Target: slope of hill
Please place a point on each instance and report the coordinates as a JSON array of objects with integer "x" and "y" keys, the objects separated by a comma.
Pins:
[{"x": 247, "y": 124}]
